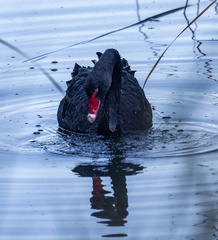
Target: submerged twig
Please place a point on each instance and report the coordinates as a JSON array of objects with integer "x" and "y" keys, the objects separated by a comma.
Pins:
[
  {"x": 9, "y": 45},
  {"x": 199, "y": 15}
]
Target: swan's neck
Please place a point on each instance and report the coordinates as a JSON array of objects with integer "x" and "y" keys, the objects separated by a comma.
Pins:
[
  {"x": 112, "y": 100},
  {"x": 105, "y": 80}
]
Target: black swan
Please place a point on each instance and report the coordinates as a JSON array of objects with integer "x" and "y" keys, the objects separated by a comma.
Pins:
[{"x": 106, "y": 99}]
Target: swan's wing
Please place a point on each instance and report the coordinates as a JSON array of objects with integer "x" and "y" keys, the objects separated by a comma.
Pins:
[
  {"x": 73, "y": 109},
  {"x": 135, "y": 110}
]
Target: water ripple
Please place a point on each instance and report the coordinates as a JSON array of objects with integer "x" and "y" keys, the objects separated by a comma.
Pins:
[
  {"x": 161, "y": 141},
  {"x": 168, "y": 136}
]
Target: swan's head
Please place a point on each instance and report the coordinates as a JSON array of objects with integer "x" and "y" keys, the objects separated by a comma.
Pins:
[
  {"x": 96, "y": 91},
  {"x": 99, "y": 81}
]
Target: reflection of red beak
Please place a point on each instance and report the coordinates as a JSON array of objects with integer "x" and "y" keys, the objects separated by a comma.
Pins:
[
  {"x": 94, "y": 105},
  {"x": 97, "y": 187}
]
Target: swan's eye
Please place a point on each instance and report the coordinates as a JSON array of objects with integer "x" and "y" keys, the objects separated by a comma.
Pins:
[
  {"x": 90, "y": 92},
  {"x": 96, "y": 93}
]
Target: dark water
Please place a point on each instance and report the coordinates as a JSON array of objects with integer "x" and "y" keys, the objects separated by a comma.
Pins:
[{"x": 159, "y": 184}]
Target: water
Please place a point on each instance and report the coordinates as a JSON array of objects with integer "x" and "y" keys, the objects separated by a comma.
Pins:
[{"x": 159, "y": 184}]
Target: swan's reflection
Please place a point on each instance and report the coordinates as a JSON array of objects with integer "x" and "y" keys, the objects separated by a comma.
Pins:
[{"x": 113, "y": 209}]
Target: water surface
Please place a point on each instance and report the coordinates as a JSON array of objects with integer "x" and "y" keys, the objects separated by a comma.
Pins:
[{"x": 158, "y": 184}]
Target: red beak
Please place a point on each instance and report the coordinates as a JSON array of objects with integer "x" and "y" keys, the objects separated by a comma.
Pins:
[{"x": 94, "y": 105}]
